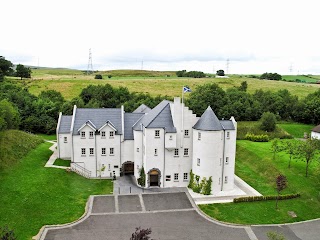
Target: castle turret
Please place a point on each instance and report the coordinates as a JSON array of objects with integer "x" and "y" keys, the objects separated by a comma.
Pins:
[{"x": 214, "y": 151}]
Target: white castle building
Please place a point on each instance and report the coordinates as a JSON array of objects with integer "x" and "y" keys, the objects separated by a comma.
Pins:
[{"x": 167, "y": 141}]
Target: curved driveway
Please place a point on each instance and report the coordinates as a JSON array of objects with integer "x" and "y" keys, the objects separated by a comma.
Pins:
[{"x": 169, "y": 215}]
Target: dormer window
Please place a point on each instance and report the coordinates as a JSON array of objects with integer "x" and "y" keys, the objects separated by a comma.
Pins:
[
  {"x": 103, "y": 134},
  {"x": 83, "y": 134},
  {"x": 111, "y": 134},
  {"x": 90, "y": 134}
]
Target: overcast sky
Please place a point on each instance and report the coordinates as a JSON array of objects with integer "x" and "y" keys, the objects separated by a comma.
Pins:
[{"x": 255, "y": 35}]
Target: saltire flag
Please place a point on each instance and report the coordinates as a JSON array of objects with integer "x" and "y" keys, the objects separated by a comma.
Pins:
[{"x": 186, "y": 89}]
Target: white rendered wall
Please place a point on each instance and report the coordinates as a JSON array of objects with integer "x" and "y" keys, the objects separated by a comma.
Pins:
[
  {"x": 64, "y": 148},
  {"x": 87, "y": 161},
  {"x": 151, "y": 160},
  {"x": 110, "y": 161},
  {"x": 127, "y": 147},
  {"x": 209, "y": 149},
  {"x": 137, "y": 152}
]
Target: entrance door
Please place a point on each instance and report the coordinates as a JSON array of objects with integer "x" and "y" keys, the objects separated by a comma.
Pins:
[
  {"x": 128, "y": 168},
  {"x": 154, "y": 178}
]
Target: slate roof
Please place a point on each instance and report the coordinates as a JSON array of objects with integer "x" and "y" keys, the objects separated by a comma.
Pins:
[
  {"x": 316, "y": 129},
  {"x": 142, "y": 109},
  {"x": 98, "y": 116},
  {"x": 227, "y": 124},
  {"x": 158, "y": 117},
  {"x": 65, "y": 124},
  {"x": 209, "y": 122},
  {"x": 129, "y": 120}
]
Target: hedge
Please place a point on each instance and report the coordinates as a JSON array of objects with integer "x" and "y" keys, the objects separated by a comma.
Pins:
[
  {"x": 257, "y": 138},
  {"x": 265, "y": 198}
]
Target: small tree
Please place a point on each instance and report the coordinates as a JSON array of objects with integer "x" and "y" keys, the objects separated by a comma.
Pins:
[
  {"x": 281, "y": 182},
  {"x": 206, "y": 189},
  {"x": 243, "y": 87},
  {"x": 23, "y": 72},
  {"x": 268, "y": 122},
  {"x": 307, "y": 151},
  {"x": 275, "y": 147},
  {"x": 220, "y": 72},
  {"x": 290, "y": 147},
  {"x": 98, "y": 76},
  {"x": 7, "y": 234},
  {"x": 191, "y": 182},
  {"x": 141, "y": 234},
  {"x": 142, "y": 179}
]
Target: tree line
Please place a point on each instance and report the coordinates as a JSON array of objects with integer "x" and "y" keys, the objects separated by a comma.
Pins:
[{"x": 250, "y": 107}]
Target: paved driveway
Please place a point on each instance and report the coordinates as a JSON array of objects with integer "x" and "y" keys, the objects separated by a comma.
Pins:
[{"x": 169, "y": 215}]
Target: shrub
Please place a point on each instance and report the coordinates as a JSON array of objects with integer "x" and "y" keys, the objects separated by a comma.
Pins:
[
  {"x": 257, "y": 138},
  {"x": 191, "y": 182},
  {"x": 6, "y": 234},
  {"x": 206, "y": 189},
  {"x": 98, "y": 76},
  {"x": 109, "y": 76},
  {"x": 142, "y": 179},
  {"x": 268, "y": 122},
  {"x": 265, "y": 198}
]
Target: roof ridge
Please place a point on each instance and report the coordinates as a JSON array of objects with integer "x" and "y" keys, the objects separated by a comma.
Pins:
[{"x": 158, "y": 114}]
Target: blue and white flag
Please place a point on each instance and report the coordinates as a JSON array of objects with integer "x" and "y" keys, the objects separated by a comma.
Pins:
[{"x": 186, "y": 89}]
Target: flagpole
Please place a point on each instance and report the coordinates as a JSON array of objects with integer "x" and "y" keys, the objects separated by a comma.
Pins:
[{"x": 182, "y": 125}]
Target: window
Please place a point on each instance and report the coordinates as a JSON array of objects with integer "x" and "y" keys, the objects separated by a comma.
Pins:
[
  {"x": 83, "y": 151},
  {"x": 65, "y": 139},
  {"x": 199, "y": 135},
  {"x": 157, "y": 133},
  {"x": 138, "y": 149},
  {"x": 198, "y": 161},
  {"x": 168, "y": 178},
  {"x": 176, "y": 152},
  {"x": 227, "y": 160},
  {"x": 90, "y": 134},
  {"x": 111, "y": 134},
  {"x": 103, "y": 151},
  {"x": 91, "y": 151},
  {"x": 228, "y": 135},
  {"x": 111, "y": 151},
  {"x": 116, "y": 166},
  {"x": 83, "y": 134},
  {"x": 176, "y": 177},
  {"x": 186, "y": 133},
  {"x": 226, "y": 179},
  {"x": 103, "y": 134},
  {"x": 185, "y": 176},
  {"x": 170, "y": 137},
  {"x": 186, "y": 152},
  {"x": 109, "y": 167},
  {"x": 156, "y": 152}
]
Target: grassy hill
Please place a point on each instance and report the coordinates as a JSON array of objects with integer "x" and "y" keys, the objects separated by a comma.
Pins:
[
  {"x": 15, "y": 145},
  {"x": 32, "y": 195},
  {"x": 71, "y": 82}
]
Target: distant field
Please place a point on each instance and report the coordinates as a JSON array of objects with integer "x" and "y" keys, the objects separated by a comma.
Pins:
[
  {"x": 296, "y": 129},
  {"x": 71, "y": 82},
  {"x": 303, "y": 78}
]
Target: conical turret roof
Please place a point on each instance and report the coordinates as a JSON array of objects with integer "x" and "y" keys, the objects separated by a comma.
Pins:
[{"x": 208, "y": 121}]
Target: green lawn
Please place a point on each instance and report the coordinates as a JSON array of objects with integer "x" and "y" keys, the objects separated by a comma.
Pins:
[
  {"x": 254, "y": 165},
  {"x": 61, "y": 162},
  {"x": 305, "y": 78},
  {"x": 47, "y": 137},
  {"x": 296, "y": 129},
  {"x": 32, "y": 196}
]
